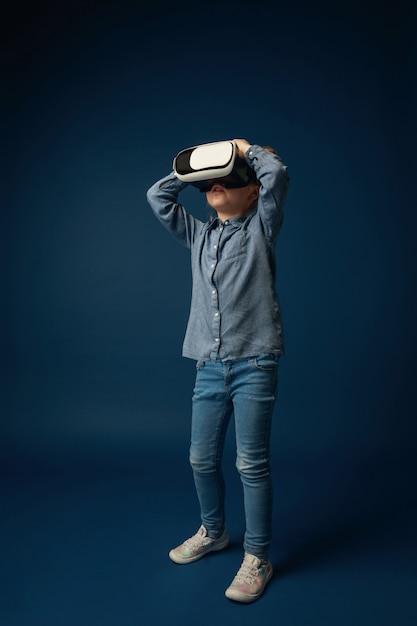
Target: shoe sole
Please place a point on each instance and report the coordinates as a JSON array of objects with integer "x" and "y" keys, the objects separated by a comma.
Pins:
[{"x": 183, "y": 560}]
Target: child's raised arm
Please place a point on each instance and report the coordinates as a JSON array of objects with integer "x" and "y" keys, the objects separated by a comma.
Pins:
[
  {"x": 273, "y": 177},
  {"x": 163, "y": 198}
]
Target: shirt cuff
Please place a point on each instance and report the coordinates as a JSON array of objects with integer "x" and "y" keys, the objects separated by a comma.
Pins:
[{"x": 252, "y": 151}]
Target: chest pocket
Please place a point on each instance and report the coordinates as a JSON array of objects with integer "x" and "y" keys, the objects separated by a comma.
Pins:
[{"x": 234, "y": 246}]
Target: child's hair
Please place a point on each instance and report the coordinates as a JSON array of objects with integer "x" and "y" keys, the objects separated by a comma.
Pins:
[{"x": 269, "y": 149}]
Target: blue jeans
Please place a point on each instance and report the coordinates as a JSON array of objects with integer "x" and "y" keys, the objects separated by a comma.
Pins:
[{"x": 246, "y": 389}]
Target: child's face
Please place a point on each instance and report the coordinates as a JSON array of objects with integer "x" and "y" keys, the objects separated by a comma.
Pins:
[{"x": 232, "y": 202}]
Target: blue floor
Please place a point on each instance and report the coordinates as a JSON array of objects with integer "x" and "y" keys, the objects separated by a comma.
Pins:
[{"x": 88, "y": 547}]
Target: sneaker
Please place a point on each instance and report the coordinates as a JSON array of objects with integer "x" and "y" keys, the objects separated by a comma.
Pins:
[
  {"x": 251, "y": 580},
  {"x": 198, "y": 546}
]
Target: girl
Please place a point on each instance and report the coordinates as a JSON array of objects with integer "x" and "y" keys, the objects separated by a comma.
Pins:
[{"x": 235, "y": 334}]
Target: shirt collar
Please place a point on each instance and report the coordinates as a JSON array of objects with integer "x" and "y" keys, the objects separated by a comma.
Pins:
[
  {"x": 239, "y": 219},
  {"x": 215, "y": 222}
]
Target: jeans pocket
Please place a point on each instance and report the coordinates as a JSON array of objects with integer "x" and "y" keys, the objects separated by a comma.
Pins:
[{"x": 267, "y": 362}]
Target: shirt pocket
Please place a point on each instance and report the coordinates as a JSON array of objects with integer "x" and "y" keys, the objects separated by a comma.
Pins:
[{"x": 235, "y": 246}]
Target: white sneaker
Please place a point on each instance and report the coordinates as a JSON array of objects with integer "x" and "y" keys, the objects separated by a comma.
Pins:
[
  {"x": 198, "y": 546},
  {"x": 251, "y": 580}
]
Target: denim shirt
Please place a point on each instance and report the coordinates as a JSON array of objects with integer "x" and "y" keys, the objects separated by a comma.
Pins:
[{"x": 235, "y": 311}]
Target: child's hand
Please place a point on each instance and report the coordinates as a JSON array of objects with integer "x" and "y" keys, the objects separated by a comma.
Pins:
[{"x": 242, "y": 147}]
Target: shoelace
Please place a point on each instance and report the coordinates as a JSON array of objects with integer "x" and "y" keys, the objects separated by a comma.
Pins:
[
  {"x": 197, "y": 541},
  {"x": 248, "y": 573}
]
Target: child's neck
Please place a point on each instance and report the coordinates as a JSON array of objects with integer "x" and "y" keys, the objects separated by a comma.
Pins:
[{"x": 227, "y": 216}]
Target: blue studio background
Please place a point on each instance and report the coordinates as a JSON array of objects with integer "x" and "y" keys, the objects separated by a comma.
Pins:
[{"x": 97, "y": 99}]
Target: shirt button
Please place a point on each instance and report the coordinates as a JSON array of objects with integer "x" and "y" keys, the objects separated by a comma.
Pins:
[
  {"x": 216, "y": 314},
  {"x": 226, "y": 222},
  {"x": 217, "y": 340},
  {"x": 212, "y": 265},
  {"x": 214, "y": 292},
  {"x": 215, "y": 246}
]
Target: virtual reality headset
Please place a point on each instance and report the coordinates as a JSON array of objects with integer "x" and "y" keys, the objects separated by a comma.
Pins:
[{"x": 210, "y": 161}]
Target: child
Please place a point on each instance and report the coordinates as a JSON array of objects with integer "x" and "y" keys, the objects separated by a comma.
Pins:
[{"x": 235, "y": 334}]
